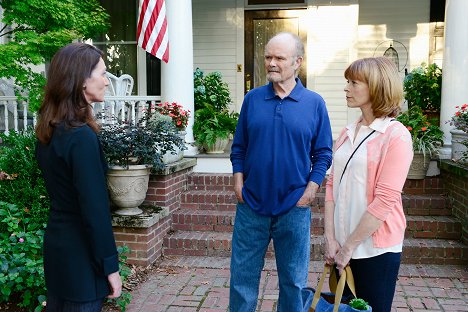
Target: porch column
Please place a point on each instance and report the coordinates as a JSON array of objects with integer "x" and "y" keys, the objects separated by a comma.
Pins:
[
  {"x": 177, "y": 74},
  {"x": 455, "y": 67}
]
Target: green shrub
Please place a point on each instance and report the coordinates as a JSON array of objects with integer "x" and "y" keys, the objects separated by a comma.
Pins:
[
  {"x": 211, "y": 90},
  {"x": 125, "y": 271},
  {"x": 23, "y": 185},
  {"x": 21, "y": 264},
  {"x": 423, "y": 87}
]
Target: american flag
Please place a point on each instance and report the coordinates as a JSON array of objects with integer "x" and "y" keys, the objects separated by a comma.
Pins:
[{"x": 152, "y": 32}]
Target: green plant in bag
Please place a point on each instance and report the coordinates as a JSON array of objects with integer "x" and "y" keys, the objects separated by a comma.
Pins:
[{"x": 359, "y": 304}]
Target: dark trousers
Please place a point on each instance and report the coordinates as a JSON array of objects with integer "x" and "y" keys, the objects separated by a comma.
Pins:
[
  {"x": 55, "y": 304},
  {"x": 375, "y": 280}
]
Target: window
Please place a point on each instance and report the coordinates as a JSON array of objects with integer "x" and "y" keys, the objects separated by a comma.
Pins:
[{"x": 119, "y": 43}]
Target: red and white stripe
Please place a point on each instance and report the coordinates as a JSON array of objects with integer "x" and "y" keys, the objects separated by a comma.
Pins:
[{"x": 152, "y": 31}]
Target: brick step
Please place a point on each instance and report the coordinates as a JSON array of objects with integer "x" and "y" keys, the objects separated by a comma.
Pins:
[
  {"x": 429, "y": 185},
  {"x": 208, "y": 200},
  {"x": 417, "y": 205},
  {"x": 426, "y": 205},
  {"x": 315, "y": 266},
  {"x": 222, "y": 221},
  {"x": 210, "y": 182},
  {"x": 225, "y": 182},
  {"x": 433, "y": 227},
  {"x": 218, "y": 244}
]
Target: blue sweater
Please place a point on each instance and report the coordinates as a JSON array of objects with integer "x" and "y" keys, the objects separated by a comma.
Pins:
[{"x": 279, "y": 146}]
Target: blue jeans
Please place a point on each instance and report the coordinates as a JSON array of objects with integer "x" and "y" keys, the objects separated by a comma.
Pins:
[{"x": 291, "y": 239}]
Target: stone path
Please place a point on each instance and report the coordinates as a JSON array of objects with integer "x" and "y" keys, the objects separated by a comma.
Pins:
[{"x": 201, "y": 284}]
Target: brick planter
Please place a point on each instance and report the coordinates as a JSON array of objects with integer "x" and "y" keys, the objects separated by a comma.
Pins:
[
  {"x": 144, "y": 233},
  {"x": 455, "y": 178}
]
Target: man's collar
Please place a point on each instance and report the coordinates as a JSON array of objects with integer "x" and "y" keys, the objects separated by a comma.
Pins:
[{"x": 295, "y": 94}]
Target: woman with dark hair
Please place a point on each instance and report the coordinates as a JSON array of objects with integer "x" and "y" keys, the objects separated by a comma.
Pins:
[
  {"x": 80, "y": 257},
  {"x": 364, "y": 218}
]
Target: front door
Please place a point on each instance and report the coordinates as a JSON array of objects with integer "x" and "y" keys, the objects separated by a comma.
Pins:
[{"x": 260, "y": 26}]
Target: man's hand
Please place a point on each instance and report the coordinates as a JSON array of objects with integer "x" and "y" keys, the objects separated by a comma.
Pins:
[
  {"x": 309, "y": 195},
  {"x": 238, "y": 185}
]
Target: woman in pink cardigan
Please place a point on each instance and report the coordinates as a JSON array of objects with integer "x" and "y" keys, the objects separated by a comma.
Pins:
[{"x": 364, "y": 219}]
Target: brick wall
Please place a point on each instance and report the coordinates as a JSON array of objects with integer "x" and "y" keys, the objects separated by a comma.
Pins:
[
  {"x": 145, "y": 242},
  {"x": 455, "y": 178},
  {"x": 144, "y": 233}
]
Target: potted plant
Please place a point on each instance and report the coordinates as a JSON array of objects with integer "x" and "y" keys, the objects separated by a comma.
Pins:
[
  {"x": 214, "y": 124},
  {"x": 179, "y": 117},
  {"x": 460, "y": 134},
  {"x": 131, "y": 150},
  {"x": 212, "y": 129},
  {"x": 423, "y": 88},
  {"x": 426, "y": 138}
]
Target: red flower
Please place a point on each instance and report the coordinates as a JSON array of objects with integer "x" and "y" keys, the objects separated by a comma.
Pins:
[
  {"x": 409, "y": 128},
  {"x": 179, "y": 116},
  {"x": 424, "y": 128}
]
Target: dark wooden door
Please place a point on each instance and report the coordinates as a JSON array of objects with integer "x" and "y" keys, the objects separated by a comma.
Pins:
[{"x": 260, "y": 26}]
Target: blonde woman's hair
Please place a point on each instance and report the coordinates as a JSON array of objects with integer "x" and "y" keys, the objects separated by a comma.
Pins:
[{"x": 385, "y": 84}]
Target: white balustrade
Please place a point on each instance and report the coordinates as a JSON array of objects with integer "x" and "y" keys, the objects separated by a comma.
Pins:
[{"x": 126, "y": 108}]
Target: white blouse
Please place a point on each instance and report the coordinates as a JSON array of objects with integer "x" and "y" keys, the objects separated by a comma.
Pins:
[{"x": 350, "y": 195}]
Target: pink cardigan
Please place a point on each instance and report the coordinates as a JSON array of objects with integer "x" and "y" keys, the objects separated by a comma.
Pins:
[{"x": 389, "y": 156}]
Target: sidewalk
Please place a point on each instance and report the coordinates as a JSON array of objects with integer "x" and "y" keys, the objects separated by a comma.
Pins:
[{"x": 189, "y": 284}]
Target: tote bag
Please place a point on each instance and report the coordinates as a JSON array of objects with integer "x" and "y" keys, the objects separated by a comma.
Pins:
[{"x": 333, "y": 301}]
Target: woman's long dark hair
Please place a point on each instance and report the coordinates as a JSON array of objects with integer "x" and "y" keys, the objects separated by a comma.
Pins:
[{"x": 64, "y": 100}]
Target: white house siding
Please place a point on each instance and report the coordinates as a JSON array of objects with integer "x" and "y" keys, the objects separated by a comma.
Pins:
[
  {"x": 215, "y": 41},
  {"x": 401, "y": 20},
  {"x": 331, "y": 41},
  {"x": 339, "y": 32}
]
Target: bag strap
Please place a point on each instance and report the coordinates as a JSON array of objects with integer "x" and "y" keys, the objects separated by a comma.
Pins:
[
  {"x": 318, "y": 290},
  {"x": 349, "y": 159},
  {"x": 333, "y": 280},
  {"x": 346, "y": 277},
  {"x": 393, "y": 119}
]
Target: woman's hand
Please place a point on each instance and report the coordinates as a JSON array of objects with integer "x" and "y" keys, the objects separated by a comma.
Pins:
[
  {"x": 331, "y": 249},
  {"x": 342, "y": 258},
  {"x": 115, "y": 283}
]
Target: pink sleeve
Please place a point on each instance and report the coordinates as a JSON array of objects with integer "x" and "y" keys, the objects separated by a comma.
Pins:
[
  {"x": 392, "y": 176},
  {"x": 329, "y": 185}
]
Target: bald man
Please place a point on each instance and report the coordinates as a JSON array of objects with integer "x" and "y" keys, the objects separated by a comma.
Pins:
[{"x": 281, "y": 151}]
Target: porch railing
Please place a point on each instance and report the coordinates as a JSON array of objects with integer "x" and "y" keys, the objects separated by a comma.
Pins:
[{"x": 14, "y": 114}]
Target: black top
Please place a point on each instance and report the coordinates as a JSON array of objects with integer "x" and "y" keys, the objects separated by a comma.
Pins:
[{"x": 79, "y": 246}]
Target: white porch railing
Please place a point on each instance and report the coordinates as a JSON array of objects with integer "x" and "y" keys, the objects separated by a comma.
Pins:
[{"x": 14, "y": 114}]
